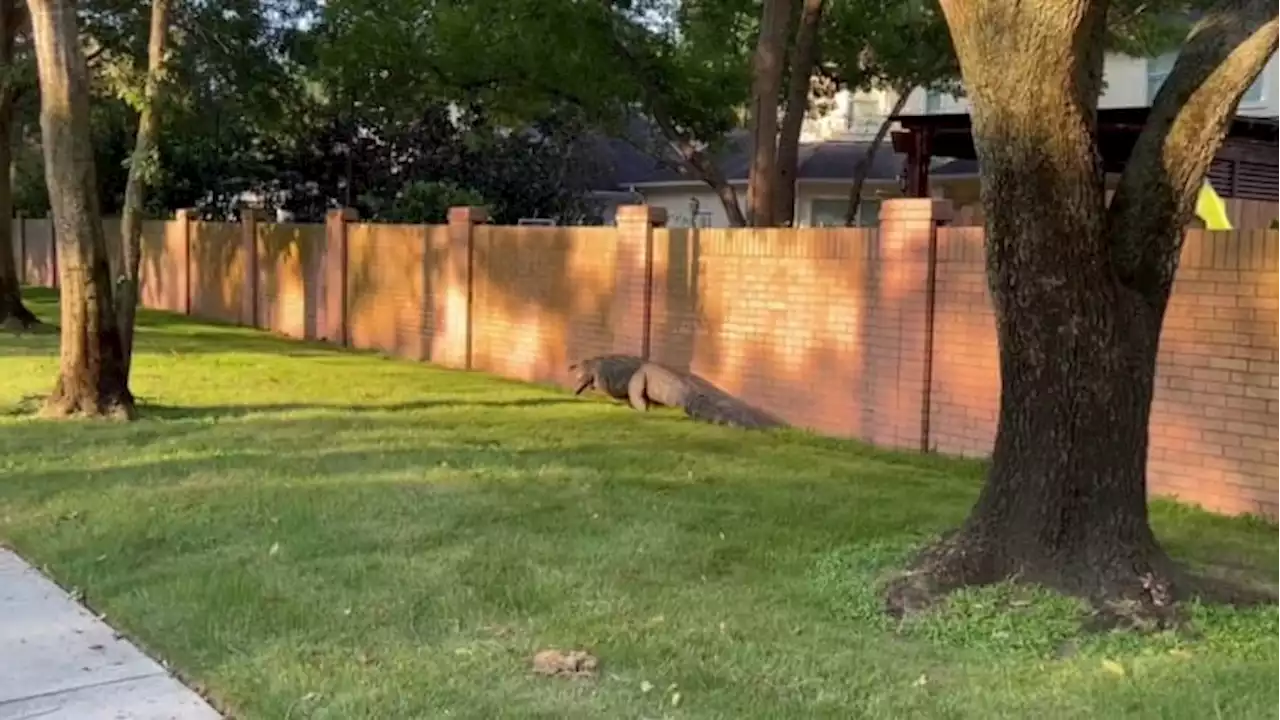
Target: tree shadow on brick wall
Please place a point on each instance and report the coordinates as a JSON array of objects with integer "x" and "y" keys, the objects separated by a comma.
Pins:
[
  {"x": 386, "y": 280},
  {"x": 218, "y": 267},
  {"x": 543, "y": 298},
  {"x": 788, "y": 323},
  {"x": 290, "y": 264}
]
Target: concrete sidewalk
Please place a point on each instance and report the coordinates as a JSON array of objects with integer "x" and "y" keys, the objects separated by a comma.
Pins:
[{"x": 59, "y": 662}]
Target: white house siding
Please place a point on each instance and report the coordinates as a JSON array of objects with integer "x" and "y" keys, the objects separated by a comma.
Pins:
[
  {"x": 675, "y": 198},
  {"x": 856, "y": 115},
  {"x": 1125, "y": 80}
]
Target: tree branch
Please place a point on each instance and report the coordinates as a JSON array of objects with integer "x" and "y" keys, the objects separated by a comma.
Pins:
[
  {"x": 696, "y": 160},
  {"x": 1189, "y": 118}
]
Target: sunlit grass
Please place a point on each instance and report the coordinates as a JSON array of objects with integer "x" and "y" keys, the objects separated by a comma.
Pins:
[{"x": 311, "y": 533}]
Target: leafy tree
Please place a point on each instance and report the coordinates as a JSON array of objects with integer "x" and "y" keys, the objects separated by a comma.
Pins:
[
  {"x": 892, "y": 46},
  {"x": 687, "y": 74},
  {"x": 424, "y": 202},
  {"x": 1080, "y": 287},
  {"x": 91, "y": 377}
]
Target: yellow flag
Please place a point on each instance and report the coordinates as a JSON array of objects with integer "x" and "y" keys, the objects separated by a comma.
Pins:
[{"x": 1211, "y": 209}]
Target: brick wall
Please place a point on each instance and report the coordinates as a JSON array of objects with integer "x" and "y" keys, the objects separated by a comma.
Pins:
[
  {"x": 542, "y": 298},
  {"x": 882, "y": 334},
  {"x": 385, "y": 288}
]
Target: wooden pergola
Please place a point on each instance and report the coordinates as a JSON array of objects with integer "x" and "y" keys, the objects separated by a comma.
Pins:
[{"x": 1245, "y": 167}]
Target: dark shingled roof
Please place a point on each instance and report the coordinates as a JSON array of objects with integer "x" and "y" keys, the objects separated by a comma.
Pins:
[{"x": 828, "y": 160}]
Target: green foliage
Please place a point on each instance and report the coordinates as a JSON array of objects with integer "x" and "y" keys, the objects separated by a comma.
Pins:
[
  {"x": 896, "y": 44},
  {"x": 423, "y": 202}
]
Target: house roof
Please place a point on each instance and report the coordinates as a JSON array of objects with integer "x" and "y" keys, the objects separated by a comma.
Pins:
[
  {"x": 1118, "y": 129},
  {"x": 832, "y": 160}
]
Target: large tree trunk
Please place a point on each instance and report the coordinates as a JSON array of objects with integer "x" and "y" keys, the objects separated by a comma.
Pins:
[
  {"x": 863, "y": 168},
  {"x": 1079, "y": 290},
  {"x": 91, "y": 378},
  {"x": 12, "y": 310},
  {"x": 766, "y": 86},
  {"x": 141, "y": 167},
  {"x": 804, "y": 56}
]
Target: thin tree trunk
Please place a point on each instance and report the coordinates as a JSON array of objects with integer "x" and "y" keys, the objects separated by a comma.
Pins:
[
  {"x": 91, "y": 379},
  {"x": 803, "y": 58},
  {"x": 863, "y": 168},
  {"x": 141, "y": 168},
  {"x": 703, "y": 166},
  {"x": 1079, "y": 291},
  {"x": 13, "y": 313},
  {"x": 12, "y": 310},
  {"x": 766, "y": 86},
  {"x": 715, "y": 179}
]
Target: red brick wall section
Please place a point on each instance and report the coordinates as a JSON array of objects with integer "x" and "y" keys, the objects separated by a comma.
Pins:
[
  {"x": 542, "y": 299},
  {"x": 329, "y": 277},
  {"x": 449, "y": 287},
  {"x": 779, "y": 318},
  {"x": 827, "y": 327},
  {"x": 289, "y": 274},
  {"x": 164, "y": 264},
  {"x": 633, "y": 255},
  {"x": 386, "y": 288},
  {"x": 965, "y": 378},
  {"x": 217, "y": 271},
  {"x": 1213, "y": 425}
]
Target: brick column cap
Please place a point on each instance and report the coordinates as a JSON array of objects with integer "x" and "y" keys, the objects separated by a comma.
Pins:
[
  {"x": 185, "y": 214},
  {"x": 650, "y": 214},
  {"x": 468, "y": 214},
  {"x": 916, "y": 209},
  {"x": 345, "y": 214}
]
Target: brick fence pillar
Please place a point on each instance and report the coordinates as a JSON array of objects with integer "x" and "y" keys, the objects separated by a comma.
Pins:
[
  {"x": 898, "y": 343},
  {"x": 633, "y": 278},
  {"x": 249, "y": 219},
  {"x": 183, "y": 218},
  {"x": 454, "y": 290},
  {"x": 331, "y": 310}
]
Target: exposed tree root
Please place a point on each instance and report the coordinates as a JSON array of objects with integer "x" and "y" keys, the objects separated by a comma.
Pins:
[
  {"x": 118, "y": 406},
  {"x": 1136, "y": 587}
]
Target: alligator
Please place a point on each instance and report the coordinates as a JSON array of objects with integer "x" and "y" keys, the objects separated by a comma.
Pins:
[
  {"x": 642, "y": 384},
  {"x": 607, "y": 373}
]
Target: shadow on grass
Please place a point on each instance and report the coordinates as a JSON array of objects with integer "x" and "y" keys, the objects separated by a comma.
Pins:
[{"x": 169, "y": 412}]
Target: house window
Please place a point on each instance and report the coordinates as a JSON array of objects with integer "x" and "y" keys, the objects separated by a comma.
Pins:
[
  {"x": 830, "y": 212},
  {"x": 1158, "y": 69},
  {"x": 932, "y": 102}
]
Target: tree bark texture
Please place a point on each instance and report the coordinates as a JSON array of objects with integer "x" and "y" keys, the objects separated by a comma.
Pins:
[
  {"x": 803, "y": 58},
  {"x": 91, "y": 378},
  {"x": 140, "y": 168},
  {"x": 12, "y": 310},
  {"x": 863, "y": 168},
  {"x": 1080, "y": 290},
  {"x": 766, "y": 88}
]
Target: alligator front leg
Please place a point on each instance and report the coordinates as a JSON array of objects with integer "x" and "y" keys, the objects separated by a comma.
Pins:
[{"x": 636, "y": 388}]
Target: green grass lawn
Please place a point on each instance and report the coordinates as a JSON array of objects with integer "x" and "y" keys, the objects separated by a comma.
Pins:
[{"x": 308, "y": 533}]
